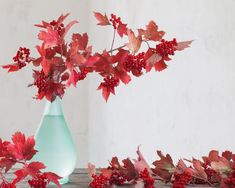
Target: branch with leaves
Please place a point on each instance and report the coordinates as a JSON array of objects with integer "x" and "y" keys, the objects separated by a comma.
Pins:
[
  {"x": 20, "y": 151},
  {"x": 61, "y": 63},
  {"x": 213, "y": 170}
]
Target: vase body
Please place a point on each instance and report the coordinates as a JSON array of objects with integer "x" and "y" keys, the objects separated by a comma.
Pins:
[{"x": 54, "y": 142}]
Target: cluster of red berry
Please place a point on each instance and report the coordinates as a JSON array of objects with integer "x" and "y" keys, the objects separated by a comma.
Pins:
[
  {"x": 22, "y": 57},
  {"x": 59, "y": 28},
  {"x": 147, "y": 179},
  {"x": 99, "y": 181},
  {"x": 181, "y": 180},
  {"x": 39, "y": 182},
  {"x": 117, "y": 178},
  {"x": 166, "y": 48},
  {"x": 230, "y": 180},
  {"x": 41, "y": 81},
  {"x": 135, "y": 64},
  {"x": 115, "y": 21},
  {"x": 110, "y": 83}
]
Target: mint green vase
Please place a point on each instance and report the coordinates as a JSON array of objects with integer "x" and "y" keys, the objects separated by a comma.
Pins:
[{"x": 54, "y": 142}]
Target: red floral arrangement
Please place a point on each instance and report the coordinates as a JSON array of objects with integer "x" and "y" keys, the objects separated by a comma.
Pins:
[
  {"x": 213, "y": 170},
  {"x": 62, "y": 63},
  {"x": 20, "y": 152}
]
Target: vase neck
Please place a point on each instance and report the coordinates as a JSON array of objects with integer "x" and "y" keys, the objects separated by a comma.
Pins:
[{"x": 53, "y": 108}]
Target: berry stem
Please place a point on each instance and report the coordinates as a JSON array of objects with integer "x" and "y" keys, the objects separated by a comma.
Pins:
[
  {"x": 146, "y": 43},
  {"x": 114, "y": 34},
  {"x": 110, "y": 51}
]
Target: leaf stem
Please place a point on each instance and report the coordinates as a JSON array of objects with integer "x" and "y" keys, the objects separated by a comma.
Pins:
[{"x": 114, "y": 35}]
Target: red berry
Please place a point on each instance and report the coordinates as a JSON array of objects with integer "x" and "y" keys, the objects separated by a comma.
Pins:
[
  {"x": 135, "y": 64},
  {"x": 110, "y": 83},
  {"x": 99, "y": 181},
  {"x": 115, "y": 21},
  {"x": 41, "y": 81},
  {"x": 181, "y": 180},
  {"x": 147, "y": 179},
  {"x": 59, "y": 28},
  {"x": 39, "y": 181},
  {"x": 117, "y": 178},
  {"x": 166, "y": 48},
  {"x": 22, "y": 57}
]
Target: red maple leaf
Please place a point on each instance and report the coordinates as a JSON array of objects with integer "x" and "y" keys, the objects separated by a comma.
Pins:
[
  {"x": 130, "y": 170},
  {"x": 22, "y": 148},
  {"x": 69, "y": 26},
  {"x": 12, "y": 67},
  {"x": 134, "y": 42},
  {"x": 164, "y": 167},
  {"x": 32, "y": 169},
  {"x": 182, "y": 45},
  {"x": 52, "y": 177},
  {"x": 160, "y": 65},
  {"x": 82, "y": 40},
  {"x": 50, "y": 38},
  {"x": 198, "y": 170},
  {"x": 151, "y": 32},
  {"x": 122, "y": 29},
  {"x": 102, "y": 19},
  {"x": 141, "y": 164}
]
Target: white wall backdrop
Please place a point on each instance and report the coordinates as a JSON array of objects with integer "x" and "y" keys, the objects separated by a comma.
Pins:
[{"x": 186, "y": 110}]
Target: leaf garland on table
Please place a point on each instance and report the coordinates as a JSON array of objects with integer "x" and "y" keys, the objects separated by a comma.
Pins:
[
  {"x": 62, "y": 63},
  {"x": 20, "y": 151},
  {"x": 213, "y": 170}
]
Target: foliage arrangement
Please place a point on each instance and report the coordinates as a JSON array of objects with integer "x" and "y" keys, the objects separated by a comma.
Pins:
[
  {"x": 213, "y": 170},
  {"x": 62, "y": 63},
  {"x": 19, "y": 152}
]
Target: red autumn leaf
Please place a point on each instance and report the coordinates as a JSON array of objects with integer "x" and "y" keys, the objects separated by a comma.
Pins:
[
  {"x": 164, "y": 167},
  {"x": 141, "y": 164},
  {"x": 65, "y": 76},
  {"x": 151, "y": 58},
  {"x": 43, "y": 25},
  {"x": 73, "y": 78},
  {"x": 198, "y": 170},
  {"x": 160, "y": 65},
  {"x": 114, "y": 163},
  {"x": 6, "y": 164},
  {"x": 62, "y": 18},
  {"x": 122, "y": 75},
  {"x": 81, "y": 39},
  {"x": 134, "y": 42},
  {"x": 227, "y": 154},
  {"x": 106, "y": 172},
  {"x": 31, "y": 169},
  {"x": 151, "y": 32},
  {"x": 22, "y": 148},
  {"x": 50, "y": 38},
  {"x": 46, "y": 66},
  {"x": 223, "y": 166},
  {"x": 91, "y": 169},
  {"x": 182, "y": 45},
  {"x": 180, "y": 167},
  {"x": 213, "y": 156},
  {"x": 52, "y": 177},
  {"x": 69, "y": 26},
  {"x": 102, "y": 19},
  {"x": 131, "y": 172},
  {"x": 122, "y": 29},
  {"x": 11, "y": 67}
]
